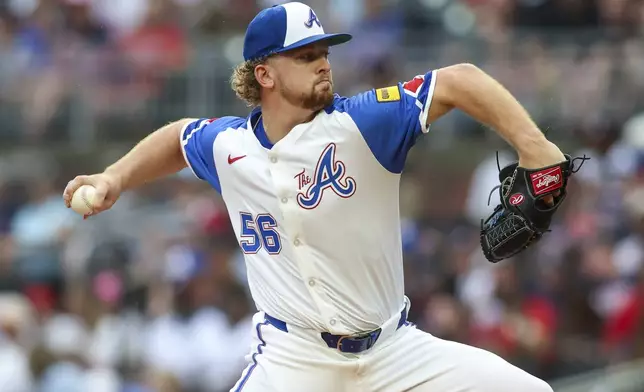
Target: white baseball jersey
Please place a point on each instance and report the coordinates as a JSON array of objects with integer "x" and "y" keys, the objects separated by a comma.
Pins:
[{"x": 317, "y": 213}]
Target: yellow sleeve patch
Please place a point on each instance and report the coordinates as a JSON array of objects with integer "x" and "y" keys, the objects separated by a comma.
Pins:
[{"x": 388, "y": 94}]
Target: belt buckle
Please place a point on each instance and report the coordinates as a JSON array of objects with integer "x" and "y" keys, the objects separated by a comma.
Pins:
[
  {"x": 363, "y": 336},
  {"x": 339, "y": 345}
]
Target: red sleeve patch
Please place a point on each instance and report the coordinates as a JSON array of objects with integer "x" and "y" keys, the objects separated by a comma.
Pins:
[{"x": 414, "y": 85}]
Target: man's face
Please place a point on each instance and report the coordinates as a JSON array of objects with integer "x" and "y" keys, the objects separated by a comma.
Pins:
[{"x": 303, "y": 76}]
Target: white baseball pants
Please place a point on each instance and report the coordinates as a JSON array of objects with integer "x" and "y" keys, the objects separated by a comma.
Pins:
[{"x": 405, "y": 359}]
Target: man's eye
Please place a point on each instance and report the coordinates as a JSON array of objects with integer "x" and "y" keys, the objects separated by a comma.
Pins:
[{"x": 312, "y": 56}]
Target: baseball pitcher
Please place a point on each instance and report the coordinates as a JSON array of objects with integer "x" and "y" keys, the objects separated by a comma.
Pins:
[{"x": 311, "y": 182}]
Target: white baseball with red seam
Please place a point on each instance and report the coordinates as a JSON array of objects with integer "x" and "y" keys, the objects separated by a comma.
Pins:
[{"x": 83, "y": 199}]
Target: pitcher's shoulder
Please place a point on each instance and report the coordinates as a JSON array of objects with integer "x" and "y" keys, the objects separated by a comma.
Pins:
[
  {"x": 212, "y": 126},
  {"x": 368, "y": 99},
  {"x": 227, "y": 122}
]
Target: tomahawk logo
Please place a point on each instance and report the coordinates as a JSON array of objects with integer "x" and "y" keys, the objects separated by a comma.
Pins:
[{"x": 329, "y": 173}]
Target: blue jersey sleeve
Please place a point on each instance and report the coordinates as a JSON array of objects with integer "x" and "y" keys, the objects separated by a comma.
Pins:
[
  {"x": 390, "y": 119},
  {"x": 197, "y": 143}
]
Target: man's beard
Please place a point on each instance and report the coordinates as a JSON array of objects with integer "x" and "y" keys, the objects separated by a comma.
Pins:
[{"x": 314, "y": 100}]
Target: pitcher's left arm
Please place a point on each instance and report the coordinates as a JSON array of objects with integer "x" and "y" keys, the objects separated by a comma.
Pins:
[{"x": 468, "y": 88}]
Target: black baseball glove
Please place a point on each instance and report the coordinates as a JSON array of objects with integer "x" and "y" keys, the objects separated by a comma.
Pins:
[{"x": 523, "y": 216}]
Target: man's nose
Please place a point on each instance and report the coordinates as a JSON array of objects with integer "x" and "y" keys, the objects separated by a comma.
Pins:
[{"x": 325, "y": 66}]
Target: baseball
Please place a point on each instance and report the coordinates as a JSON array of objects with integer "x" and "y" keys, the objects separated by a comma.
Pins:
[{"x": 83, "y": 199}]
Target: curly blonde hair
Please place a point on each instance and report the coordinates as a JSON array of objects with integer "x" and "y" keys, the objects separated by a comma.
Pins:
[{"x": 244, "y": 83}]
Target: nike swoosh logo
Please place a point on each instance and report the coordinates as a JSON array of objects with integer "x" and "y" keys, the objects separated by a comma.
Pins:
[{"x": 232, "y": 160}]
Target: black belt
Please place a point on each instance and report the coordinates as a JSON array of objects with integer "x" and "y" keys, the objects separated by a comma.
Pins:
[{"x": 356, "y": 343}]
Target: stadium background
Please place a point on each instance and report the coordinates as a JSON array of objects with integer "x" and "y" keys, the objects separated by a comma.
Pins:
[{"x": 152, "y": 295}]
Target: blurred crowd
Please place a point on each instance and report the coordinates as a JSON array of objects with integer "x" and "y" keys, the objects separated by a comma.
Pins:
[{"x": 152, "y": 295}]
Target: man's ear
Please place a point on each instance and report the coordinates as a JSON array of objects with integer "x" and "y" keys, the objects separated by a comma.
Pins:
[{"x": 264, "y": 74}]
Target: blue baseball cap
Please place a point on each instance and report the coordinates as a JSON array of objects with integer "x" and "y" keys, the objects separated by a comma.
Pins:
[{"x": 284, "y": 27}]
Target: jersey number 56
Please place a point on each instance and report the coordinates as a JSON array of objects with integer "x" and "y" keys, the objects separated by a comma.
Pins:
[{"x": 259, "y": 232}]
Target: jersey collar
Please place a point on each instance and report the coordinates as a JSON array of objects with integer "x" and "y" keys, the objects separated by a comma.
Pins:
[{"x": 256, "y": 125}]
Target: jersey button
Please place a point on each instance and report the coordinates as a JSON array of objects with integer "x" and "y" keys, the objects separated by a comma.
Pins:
[
  {"x": 273, "y": 159},
  {"x": 332, "y": 321},
  {"x": 296, "y": 242},
  {"x": 284, "y": 200},
  {"x": 311, "y": 282}
]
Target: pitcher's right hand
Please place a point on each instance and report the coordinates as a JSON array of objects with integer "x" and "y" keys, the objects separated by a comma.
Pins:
[{"x": 108, "y": 190}]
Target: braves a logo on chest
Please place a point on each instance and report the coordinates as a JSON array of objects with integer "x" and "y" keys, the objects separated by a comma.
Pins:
[{"x": 329, "y": 173}]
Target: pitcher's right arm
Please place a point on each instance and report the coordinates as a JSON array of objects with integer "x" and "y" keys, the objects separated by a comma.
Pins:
[{"x": 157, "y": 155}]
